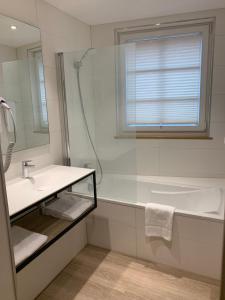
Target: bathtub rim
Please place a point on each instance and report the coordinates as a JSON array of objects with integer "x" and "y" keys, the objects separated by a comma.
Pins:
[
  {"x": 186, "y": 182},
  {"x": 178, "y": 212}
]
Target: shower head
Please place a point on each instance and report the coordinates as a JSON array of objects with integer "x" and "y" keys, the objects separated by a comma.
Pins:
[{"x": 78, "y": 64}]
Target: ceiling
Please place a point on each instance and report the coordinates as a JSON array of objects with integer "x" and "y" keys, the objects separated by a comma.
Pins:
[{"x": 95, "y": 12}]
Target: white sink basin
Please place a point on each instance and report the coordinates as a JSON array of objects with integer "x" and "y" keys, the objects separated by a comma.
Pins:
[{"x": 22, "y": 193}]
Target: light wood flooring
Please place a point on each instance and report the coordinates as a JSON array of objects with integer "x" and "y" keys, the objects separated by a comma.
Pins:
[{"x": 98, "y": 274}]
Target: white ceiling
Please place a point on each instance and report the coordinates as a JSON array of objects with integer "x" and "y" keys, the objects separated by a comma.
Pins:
[{"x": 106, "y": 11}]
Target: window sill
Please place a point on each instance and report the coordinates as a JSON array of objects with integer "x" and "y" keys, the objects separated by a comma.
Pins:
[{"x": 174, "y": 136}]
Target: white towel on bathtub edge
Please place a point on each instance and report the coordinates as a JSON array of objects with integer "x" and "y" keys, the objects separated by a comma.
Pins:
[{"x": 159, "y": 220}]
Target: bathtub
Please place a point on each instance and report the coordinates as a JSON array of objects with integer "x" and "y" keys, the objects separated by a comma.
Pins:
[
  {"x": 196, "y": 247},
  {"x": 136, "y": 191}
]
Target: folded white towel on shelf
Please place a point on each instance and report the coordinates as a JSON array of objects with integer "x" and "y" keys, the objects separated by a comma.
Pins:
[
  {"x": 68, "y": 207},
  {"x": 25, "y": 242},
  {"x": 159, "y": 220}
]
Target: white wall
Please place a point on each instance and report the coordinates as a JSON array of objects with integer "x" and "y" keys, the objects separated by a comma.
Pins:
[
  {"x": 59, "y": 32},
  {"x": 198, "y": 158}
]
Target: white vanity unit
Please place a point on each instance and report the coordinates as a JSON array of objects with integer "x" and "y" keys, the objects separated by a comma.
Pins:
[{"x": 49, "y": 206}]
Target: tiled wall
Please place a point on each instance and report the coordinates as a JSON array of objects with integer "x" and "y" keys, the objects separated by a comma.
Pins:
[
  {"x": 200, "y": 158},
  {"x": 59, "y": 32}
]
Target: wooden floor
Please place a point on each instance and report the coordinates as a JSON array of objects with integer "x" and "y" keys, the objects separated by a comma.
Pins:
[{"x": 97, "y": 274}]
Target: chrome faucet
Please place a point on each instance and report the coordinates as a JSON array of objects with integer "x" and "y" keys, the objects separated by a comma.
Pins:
[{"x": 25, "y": 168}]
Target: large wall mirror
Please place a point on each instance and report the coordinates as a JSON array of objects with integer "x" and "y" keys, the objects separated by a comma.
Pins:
[{"x": 22, "y": 85}]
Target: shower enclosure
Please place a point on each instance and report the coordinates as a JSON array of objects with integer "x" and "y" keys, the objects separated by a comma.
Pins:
[{"x": 90, "y": 86}]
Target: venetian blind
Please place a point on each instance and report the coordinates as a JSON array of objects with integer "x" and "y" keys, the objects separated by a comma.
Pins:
[{"x": 163, "y": 84}]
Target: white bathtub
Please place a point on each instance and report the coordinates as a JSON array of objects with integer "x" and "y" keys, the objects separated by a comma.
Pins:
[
  {"x": 198, "y": 197},
  {"x": 196, "y": 247}
]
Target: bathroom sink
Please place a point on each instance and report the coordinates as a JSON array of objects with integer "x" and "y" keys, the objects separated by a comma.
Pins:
[
  {"x": 44, "y": 181},
  {"x": 24, "y": 192}
]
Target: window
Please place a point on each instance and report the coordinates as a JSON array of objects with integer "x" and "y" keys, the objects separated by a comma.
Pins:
[
  {"x": 164, "y": 83},
  {"x": 38, "y": 90}
]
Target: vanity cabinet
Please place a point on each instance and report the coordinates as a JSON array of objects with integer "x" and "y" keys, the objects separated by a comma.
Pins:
[{"x": 49, "y": 204}]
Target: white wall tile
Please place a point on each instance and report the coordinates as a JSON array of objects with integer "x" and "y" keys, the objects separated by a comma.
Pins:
[
  {"x": 218, "y": 108},
  {"x": 113, "y": 227},
  {"x": 218, "y": 80},
  {"x": 216, "y": 141},
  {"x": 190, "y": 228},
  {"x": 117, "y": 213},
  {"x": 147, "y": 159},
  {"x": 192, "y": 162},
  {"x": 105, "y": 233},
  {"x": 219, "y": 57},
  {"x": 123, "y": 161},
  {"x": 220, "y": 22},
  {"x": 194, "y": 242},
  {"x": 200, "y": 258}
]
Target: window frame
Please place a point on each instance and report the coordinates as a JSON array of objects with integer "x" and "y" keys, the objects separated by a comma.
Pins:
[
  {"x": 39, "y": 125},
  {"x": 128, "y": 36}
]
